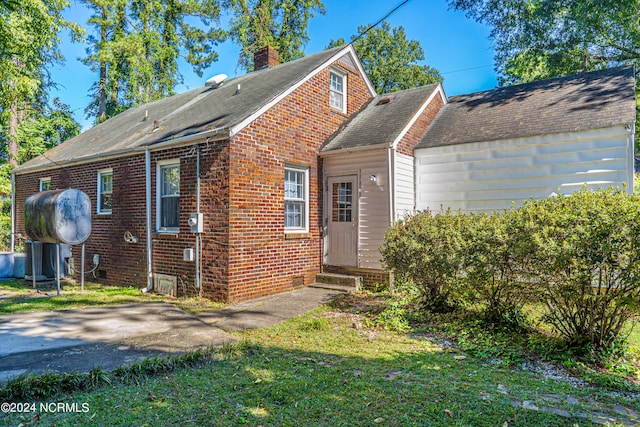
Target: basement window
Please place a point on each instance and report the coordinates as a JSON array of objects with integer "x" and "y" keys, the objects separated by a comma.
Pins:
[
  {"x": 296, "y": 200},
  {"x": 105, "y": 191},
  {"x": 338, "y": 91},
  {"x": 168, "y": 191}
]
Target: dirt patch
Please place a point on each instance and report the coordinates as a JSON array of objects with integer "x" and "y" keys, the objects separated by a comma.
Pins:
[{"x": 366, "y": 304}]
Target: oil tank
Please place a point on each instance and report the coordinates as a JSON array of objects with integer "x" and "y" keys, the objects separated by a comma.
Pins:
[{"x": 58, "y": 216}]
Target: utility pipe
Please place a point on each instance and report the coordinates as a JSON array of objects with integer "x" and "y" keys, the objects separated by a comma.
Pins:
[
  {"x": 58, "y": 268},
  {"x": 82, "y": 268}
]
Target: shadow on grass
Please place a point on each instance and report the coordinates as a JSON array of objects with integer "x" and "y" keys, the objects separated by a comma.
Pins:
[{"x": 290, "y": 387}]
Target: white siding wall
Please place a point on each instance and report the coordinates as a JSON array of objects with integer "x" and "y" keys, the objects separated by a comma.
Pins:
[
  {"x": 404, "y": 185},
  {"x": 374, "y": 199},
  {"x": 490, "y": 176}
]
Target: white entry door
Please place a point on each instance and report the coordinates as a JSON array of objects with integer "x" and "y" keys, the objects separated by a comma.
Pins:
[{"x": 342, "y": 221}]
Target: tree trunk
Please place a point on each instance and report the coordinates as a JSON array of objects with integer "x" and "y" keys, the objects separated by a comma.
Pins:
[
  {"x": 102, "y": 83},
  {"x": 12, "y": 131}
]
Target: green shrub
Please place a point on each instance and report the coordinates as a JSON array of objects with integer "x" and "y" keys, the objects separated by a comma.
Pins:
[
  {"x": 578, "y": 255},
  {"x": 424, "y": 250},
  {"x": 587, "y": 263},
  {"x": 495, "y": 261}
]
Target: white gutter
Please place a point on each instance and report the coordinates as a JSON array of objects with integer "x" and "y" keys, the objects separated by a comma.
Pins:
[
  {"x": 172, "y": 143},
  {"x": 13, "y": 213},
  {"x": 147, "y": 165},
  {"x": 342, "y": 151}
]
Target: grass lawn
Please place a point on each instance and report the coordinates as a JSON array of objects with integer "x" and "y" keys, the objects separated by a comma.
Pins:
[
  {"x": 17, "y": 297},
  {"x": 337, "y": 367}
]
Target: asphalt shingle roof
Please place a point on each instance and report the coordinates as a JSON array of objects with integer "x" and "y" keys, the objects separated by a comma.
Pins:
[
  {"x": 184, "y": 114},
  {"x": 592, "y": 100},
  {"x": 380, "y": 122}
]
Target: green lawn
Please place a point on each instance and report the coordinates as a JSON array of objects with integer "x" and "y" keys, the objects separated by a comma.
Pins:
[
  {"x": 334, "y": 367},
  {"x": 18, "y": 297}
]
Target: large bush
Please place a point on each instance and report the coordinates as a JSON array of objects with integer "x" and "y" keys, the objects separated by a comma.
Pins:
[
  {"x": 587, "y": 262},
  {"x": 578, "y": 255},
  {"x": 424, "y": 250},
  {"x": 495, "y": 263}
]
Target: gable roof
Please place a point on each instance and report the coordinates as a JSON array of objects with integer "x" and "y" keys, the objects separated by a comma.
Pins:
[
  {"x": 383, "y": 119},
  {"x": 198, "y": 112},
  {"x": 591, "y": 100}
]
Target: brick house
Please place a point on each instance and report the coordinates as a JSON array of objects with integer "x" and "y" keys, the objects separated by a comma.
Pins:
[{"x": 295, "y": 168}]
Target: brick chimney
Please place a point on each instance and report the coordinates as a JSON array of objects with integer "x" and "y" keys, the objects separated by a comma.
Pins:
[{"x": 265, "y": 58}]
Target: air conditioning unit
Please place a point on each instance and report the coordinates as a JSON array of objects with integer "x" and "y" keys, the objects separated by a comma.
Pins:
[
  {"x": 33, "y": 261},
  {"x": 49, "y": 264}
]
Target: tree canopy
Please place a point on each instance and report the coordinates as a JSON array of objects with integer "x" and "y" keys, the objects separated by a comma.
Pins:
[
  {"x": 281, "y": 24},
  {"x": 29, "y": 42},
  {"x": 547, "y": 38},
  {"x": 136, "y": 44},
  {"x": 390, "y": 59}
]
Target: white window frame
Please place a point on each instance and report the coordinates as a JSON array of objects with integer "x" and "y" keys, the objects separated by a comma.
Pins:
[
  {"x": 100, "y": 210},
  {"x": 343, "y": 76},
  {"x": 44, "y": 181},
  {"x": 159, "y": 167},
  {"x": 305, "y": 216}
]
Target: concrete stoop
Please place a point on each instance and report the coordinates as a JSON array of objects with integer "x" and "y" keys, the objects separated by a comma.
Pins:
[{"x": 337, "y": 282}]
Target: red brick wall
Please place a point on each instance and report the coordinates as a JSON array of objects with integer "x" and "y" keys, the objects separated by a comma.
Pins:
[
  {"x": 122, "y": 263},
  {"x": 125, "y": 264},
  {"x": 420, "y": 126},
  {"x": 168, "y": 247},
  {"x": 263, "y": 260}
]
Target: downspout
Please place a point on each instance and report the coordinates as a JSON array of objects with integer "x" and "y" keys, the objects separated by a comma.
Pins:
[
  {"x": 631, "y": 132},
  {"x": 147, "y": 166},
  {"x": 198, "y": 278},
  {"x": 13, "y": 213}
]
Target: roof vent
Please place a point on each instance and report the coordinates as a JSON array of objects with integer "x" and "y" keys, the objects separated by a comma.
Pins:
[
  {"x": 216, "y": 81},
  {"x": 385, "y": 100}
]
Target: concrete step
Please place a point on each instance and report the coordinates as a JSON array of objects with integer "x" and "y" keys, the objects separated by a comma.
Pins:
[
  {"x": 328, "y": 286},
  {"x": 338, "y": 282}
]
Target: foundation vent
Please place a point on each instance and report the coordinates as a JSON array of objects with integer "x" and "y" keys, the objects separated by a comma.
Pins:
[{"x": 165, "y": 284}]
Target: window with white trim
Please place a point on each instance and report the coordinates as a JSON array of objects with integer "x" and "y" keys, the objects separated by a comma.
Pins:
[
  {"x": 296, "y": 199},
  {"x": 338, "y": 90},
  {"x": 45, "y": 184},
  {"x": 105, "y": 191},
  {"x": 168, "y": 193}
]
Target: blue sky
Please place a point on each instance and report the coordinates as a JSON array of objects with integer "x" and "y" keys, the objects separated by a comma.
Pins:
[{"x": 455, "y": 45}]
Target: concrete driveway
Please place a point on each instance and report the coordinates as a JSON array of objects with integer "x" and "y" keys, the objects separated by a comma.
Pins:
[{"x": 80, "y": 339}]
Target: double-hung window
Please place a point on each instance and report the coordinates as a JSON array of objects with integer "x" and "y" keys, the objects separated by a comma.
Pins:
[
  {"x": 105, "y": 191},
  {"x": 296, "y": 199},
  {"x": 338, "y": 90},
  {"x": 168, "y": 205}
]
